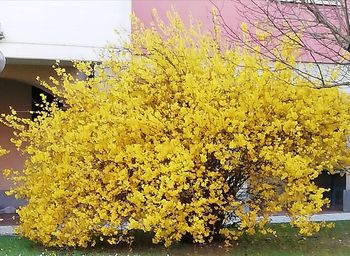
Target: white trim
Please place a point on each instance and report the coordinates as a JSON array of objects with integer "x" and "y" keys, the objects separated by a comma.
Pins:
[
  {"x": 319, "y": 2},
  {"x": 81, "y": 31}
]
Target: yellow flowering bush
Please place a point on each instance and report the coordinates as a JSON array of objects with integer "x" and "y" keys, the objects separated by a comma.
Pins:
[
  {"x": 179, "y": 135},
  {"x": 3, "y": 151}
]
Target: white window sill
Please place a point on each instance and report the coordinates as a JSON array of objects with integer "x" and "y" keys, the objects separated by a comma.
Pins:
[{"x": 318, "y": 2}]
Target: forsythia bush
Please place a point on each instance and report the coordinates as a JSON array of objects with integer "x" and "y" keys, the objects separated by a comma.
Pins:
[{"x": 179, "y": 135}]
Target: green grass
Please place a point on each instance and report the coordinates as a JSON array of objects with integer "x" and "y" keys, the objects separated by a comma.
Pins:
[{"x": 334, "y": 241}]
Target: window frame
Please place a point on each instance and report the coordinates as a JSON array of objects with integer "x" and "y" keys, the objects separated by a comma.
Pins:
[{"x": 318, "y": 2}]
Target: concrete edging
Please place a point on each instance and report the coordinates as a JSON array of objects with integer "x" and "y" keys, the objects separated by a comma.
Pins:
[
  {"x": 7, "y": 230},
  {"x": 317, "y": 217}
]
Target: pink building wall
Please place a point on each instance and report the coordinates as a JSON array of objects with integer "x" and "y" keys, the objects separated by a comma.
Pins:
[
  {"x": 18, "y": 96},
  {"x": 232, "y": 13},
  {"x": 198, "y": 9}
]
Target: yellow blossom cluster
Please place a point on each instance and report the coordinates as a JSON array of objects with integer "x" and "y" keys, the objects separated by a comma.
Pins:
[
  {"x": 180, "y": 135},
  {"x": 3, "y": 151}
]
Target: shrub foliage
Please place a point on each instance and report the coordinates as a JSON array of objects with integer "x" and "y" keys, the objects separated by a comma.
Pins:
[{"x": 180, "y": 135}]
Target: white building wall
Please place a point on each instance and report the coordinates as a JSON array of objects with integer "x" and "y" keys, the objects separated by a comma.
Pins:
[{"x": 62, "y": 29}]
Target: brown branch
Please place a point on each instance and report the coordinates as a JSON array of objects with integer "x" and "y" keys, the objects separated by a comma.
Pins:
[{"x": 321, "y": 31}]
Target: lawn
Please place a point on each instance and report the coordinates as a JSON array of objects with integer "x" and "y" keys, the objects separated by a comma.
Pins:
[{"x": 334, "y": 241}]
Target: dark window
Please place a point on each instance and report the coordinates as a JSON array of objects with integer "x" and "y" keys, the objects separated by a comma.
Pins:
[{"x": 37, "y": 100}]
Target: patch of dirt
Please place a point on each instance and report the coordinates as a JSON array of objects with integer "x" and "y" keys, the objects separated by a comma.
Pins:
[{"x": 9, "y": 219}]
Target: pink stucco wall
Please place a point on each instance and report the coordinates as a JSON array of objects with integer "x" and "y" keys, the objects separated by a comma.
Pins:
[
  {"x": 233, "y": 14},
  {"x": 18, "y": 96},
  {"x": 198, "y": 9}
]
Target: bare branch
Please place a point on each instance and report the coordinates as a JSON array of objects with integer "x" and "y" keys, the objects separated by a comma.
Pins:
[{"x": 321, "y": 29}]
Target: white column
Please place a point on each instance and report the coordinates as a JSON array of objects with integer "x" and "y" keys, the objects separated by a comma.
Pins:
[
  {"x": 347, "y": 187},
  {"x": 346, "y": 194}
]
